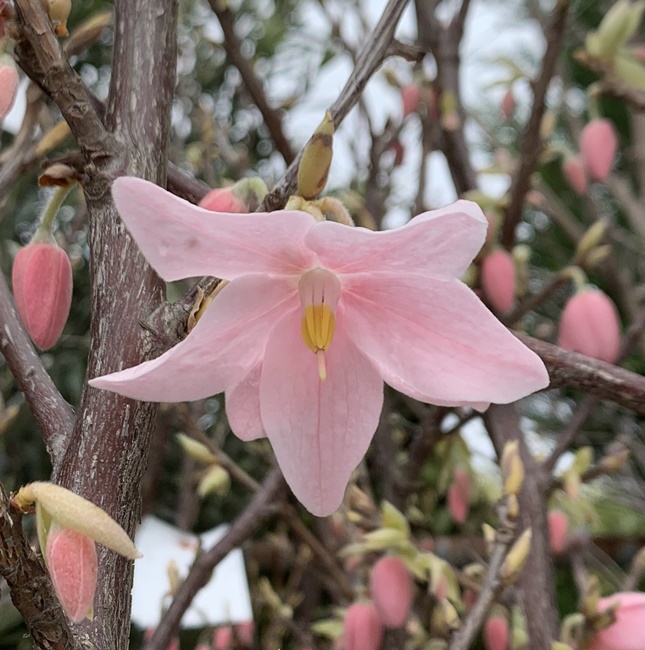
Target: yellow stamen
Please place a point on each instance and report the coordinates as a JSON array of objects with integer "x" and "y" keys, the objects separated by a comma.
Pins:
[
  {"x": 322, "y": 368},
  {"x": 318, "y": 327}
]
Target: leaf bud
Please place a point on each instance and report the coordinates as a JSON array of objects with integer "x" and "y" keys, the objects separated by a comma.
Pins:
[
  {"x": 512, "y": 468},
  {"x": 516, "y": 558},
  {"x": 316, "y": 160}
]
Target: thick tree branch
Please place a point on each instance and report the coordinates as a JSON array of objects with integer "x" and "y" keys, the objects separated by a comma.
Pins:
[
  {"x": 265, "y": 504},
  {"x": 54, "y": 415},
  {"x": 532, "y": 141}
]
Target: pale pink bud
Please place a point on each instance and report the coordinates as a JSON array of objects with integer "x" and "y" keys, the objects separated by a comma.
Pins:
[
  {"x": 558, "y": 531},
  {"x": 363, "y": 627},
  {"x": 222, "y": 200},
  {"x": 590, "y": 324},
  {"x": 9, "y": 79},
  {"x": 459, "y": 496},
  {"x": 628, "y": 632},
  {"x": 399, "y": 152},
  {"x": 411, "y": 98},
  {"x": 223, "y": 638},
  {"x": 598, "y": 148},
  {"x": 392, "y": 590},
  {"x": 174, "y": 642},
  {"x": 496, "y": 633},
  {"x": 245, "y": 633},
  {"x": 508, "y": 104},
  {"x": 498, "y": 280},
  {"x": 42, "y": 288},
  {"x": 72, "y": 565},
  {"x": 470, "y": 598},
  {"x": 574, "y": 171}
]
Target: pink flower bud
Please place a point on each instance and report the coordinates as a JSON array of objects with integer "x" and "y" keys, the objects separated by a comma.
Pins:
[
  {"x": 42, "y": 288},
  {"x": 470, "y": 598},
  {"x": 399, "y": 152},
  {"x": 72, "y": 565},
  {"x": 363, "y": 627},
  {"x": 411, "y": 97},
  {"x": 598, "y": 147},
  {"x": 174, "y": 642},
  {"x": 459, "y": 496},
  {"x": 245, "y": 633},
  {"x": 508, "y": 104},
  {"x": 222, "y": 200},
  {"x": 392, "y": 590},
  {"x": 9, "y": 79},
  {"x": 590, "y": 324},
  {"x": 574, "y": 171},
  {"x": 558, "y": 531},
  {"x": 496, "y": 633},
  {"x": 628, "y": 631},
  {"x": 498, "y": 280},
  {"x": 223, "y": 638}
]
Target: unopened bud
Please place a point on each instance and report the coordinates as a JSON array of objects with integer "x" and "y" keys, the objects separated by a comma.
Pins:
[
  {"x": 598, "y": 146},
  {"x": 196, "y": 450},
  {"x": 498, "y": 280},
  {"x": 558, "y": 531},
  {"x": 597, "y": 256},
  {"x": 490, "y": 534},
  {"x": 58, "y": 175},
  {"x": 559, "y": 645},
  {"x": 630, "y": 71},
  {"x": 245, "y": 633},
  {"x": 391, "y": 517},
  {"x": 244, "y": 196},
  {"x": 618, "y": 26},
  {"x": 496, "y": 631},
  {"x": 59, "y": 11},
  {"x": 512, "y": 468},
  {"x": 458, "y": 496},
  {"x": 223, "y": 638},
  {"x": 512, "y": 506},
  {"x": 516, "y": 558},
  {"x": 9, "y": 79},
  {"x": 575, "y": 174},
  {"x": 614, "y": 462},
  {"x": 316, "y": 160},
  {"x": 590, "y": 324},
  {"x": 72, "y": 565},
  {"x": 392, "y": 590},
  {"x": 410, "y": 98},
  {"x": 42, "y": 288},
  {"x": 217, "y": 480},
  {"x": 445, "y": 618},
  {"x": 590, "y": 596},
  {"x": 334, "y": 210},
  {"x": 508, "y": 104},
  {"x": 363, "y": 629},
  {"x": 383, "y": 539},
  {"x": 591, "y": 239}
]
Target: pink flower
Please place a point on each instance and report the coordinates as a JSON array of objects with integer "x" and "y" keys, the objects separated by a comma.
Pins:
[
  {"x": 315, "y": 316},
  {"x": 363, "y": 628},
  {"x": 223, "y": 638},
  {"x": 598, "y": 148},
  {"x": 411, "y": 98},
  {"x": 628, "y": 631},
  {"x": 392, "y": 588},
  {"x": 72, "y": 565},
  {"x": 496, "y": 633},
  {"x": 590, "y": 324},
  {"x": 42, "y": 288},
  {"x": 508, "y": 104},
  {"x": 558, "y": 530},
  {"x": 574, "y": 171},
  {"x": 498, "y": 280},
  {"x": 459, "y": 496},
  {"x": 9, "y": 79}
]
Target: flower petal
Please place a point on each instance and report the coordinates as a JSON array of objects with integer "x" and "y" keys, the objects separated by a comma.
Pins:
[
  {"x": 181, "y": 240},
  {"x": 319, "y": 430},
  {"x": 243, "y": 406},
  {"x": 435, "y": 340},
  {"x": 225, "y": 343},
  {"x": 440, "y": 243}
]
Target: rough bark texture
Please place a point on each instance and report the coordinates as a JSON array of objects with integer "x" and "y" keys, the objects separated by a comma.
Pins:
[{"x": 108, "y": 452}]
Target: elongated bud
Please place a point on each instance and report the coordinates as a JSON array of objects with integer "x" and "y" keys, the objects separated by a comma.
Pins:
[
  {"x": 459, "y": 495},
  {"x": 72, "y": 511},
  {"x": 574, "y": 172},
  {"x": 72, "y": 565},
  {"x": 490, "y": 535},
  {"x": 618, "y": 26},
  {"x": 516, "y": 558},
  {"x": 512, "y": 468},
  {"x": 244, "y": 196},
  {"x": 498, "y": 280},
  {"x": 316, "y": 160},
  {"x": 445, "y": 618},
  {"x": 591, "y": 239},
  {"x": 196, "y": 450},
  {"x": 9, "y": 79},
  {"x": 496, "y": 630},
  {"x": 223, "y": 638},
  {"x": 363, "y": 628},
  {"x": 42, "y": 288},
  {"x": 508, "y": 104},
  {"x": 598, "y": 146},
  {"x": 590, "y": 324},
  {"x": 216, "y": 480},
  {"x": 392, "y": 590},
  {"x": 591, "y": 597},
  {"x": 383, "y": 539},
  {"x": 245, "y": 633},
  {"x": 410, "y": 98},
  {"x": 59, "y": 11},
  {"x": 630, "y": 70},
  {"x": 558, "y": 531},
  {"x": 392, "y": 517}
]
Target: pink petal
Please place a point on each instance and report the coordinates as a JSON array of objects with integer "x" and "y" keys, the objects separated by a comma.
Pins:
[
  {"x": 243, "y": 406},
  {"x": 181, "y": 240},
  {"x": 439, "y": 243},
  {"x": 319, "y": 430},
  {"x": 435, "y": 340},
  {"x": 226, "y": 342}
]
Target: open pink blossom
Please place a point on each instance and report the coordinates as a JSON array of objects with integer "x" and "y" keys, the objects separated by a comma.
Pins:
[
  {"x": 628, "y": 631},
  {"x": 315, "y": 316}
]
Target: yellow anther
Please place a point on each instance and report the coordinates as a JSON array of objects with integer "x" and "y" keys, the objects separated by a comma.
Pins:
[{"x": 318, "y": 326}]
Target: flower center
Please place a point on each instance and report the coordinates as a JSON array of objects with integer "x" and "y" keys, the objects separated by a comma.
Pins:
[{"x": 319, "y": 293}]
